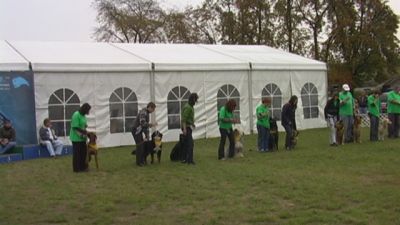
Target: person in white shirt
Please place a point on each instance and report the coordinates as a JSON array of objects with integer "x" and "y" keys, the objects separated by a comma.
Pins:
[{"x": 49, "y": 139}]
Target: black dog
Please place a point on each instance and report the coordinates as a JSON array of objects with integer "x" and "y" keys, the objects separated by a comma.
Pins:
[{"x": 273, "y": 135}]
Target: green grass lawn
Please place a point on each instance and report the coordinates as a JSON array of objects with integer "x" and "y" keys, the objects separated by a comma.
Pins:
[{"x": 314, "y": 184}]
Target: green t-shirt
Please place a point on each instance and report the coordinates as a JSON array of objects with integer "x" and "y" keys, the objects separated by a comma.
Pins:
[
  {"x": 77, "y": 121},
  {"x": 262, "y": 115},
  {"x": 392, "y": 107},
  {"x": 188, "y": 115},
  {"x": 347, "y": 108},
  {"x": 374, "y": 105},
  {"x": 225, "y": 114}
]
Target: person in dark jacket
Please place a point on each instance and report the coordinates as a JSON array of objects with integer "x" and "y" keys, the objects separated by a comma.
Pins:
[
  {"x": 288, "y": 121},
  {"x": 141, "y": 126},
  {"x": 7, "y": 137},
  {"x": 331, "y": 112},
  {"x": 49, "y": 139}
]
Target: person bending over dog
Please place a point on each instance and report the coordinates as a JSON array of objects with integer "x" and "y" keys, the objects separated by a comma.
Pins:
[
  {"x": 141, "y": 127},
  {"x": 289, "y": 121},
  {"x": 187, "y": 124},
  {"x": 226, "y": 120}
]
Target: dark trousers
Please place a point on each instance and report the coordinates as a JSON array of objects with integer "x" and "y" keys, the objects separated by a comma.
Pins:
[
  {"x": 393, "y": 128},
  {"x": 289, "y": 135},
  {"x": 221, "y": 150},
  {"x": 188, "y": 145},
  {"x": 79, "y": 154},
  {"x": 374, "y": 127},
  {"x": 139, "y": 149}
]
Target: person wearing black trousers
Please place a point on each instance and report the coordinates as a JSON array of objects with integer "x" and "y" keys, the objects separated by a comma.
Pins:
[
  {"x": 78, "y": 137},
  {"x": 187, "y": 124},
  {"x": 226, "y": 120},
  {"x": 141, "y": 126},
  {"x": 289, "y": 121}
]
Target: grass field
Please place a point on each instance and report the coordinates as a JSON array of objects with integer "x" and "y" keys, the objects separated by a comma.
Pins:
[{"x": 314, "y": 184}]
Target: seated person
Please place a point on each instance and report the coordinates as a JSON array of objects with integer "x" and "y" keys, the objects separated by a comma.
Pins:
[
  {"x": 7, "y": 137},
  {"x": 49, "y": 139}
]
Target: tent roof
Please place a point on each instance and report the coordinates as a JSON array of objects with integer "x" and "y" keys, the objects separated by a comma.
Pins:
[
  {"x": 75, "y": 56},
  {"x": 171, "y": 57},
  {"x": 78, "y": 56},
  {"x": 10, "y": 60},
  {"x": 263, "y": 57}
]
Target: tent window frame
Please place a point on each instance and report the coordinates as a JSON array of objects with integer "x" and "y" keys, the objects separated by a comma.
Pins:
[
  {"x": 62, "y": 104},
  {"x": 225, "y": 93},
  {"x": 273, "y": 91},
  {"x": 123, "y": 109},
  {"x": 309, "y": 99},
  {"x": 178, "y": 96}
]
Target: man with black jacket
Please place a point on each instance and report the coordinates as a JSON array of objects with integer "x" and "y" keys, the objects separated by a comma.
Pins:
[{"x": 289, "y": 121}]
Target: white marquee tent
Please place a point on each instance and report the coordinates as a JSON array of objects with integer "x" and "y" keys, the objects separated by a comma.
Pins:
[{"x": 119, "y": 79}]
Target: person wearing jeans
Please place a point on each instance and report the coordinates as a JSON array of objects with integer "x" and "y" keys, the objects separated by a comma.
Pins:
[
  {"x": 393, "y": 110},
  {"x": 225, "y": 118},
  {"x": 262, "y": 112},
  {"x": 346, "y": 112},
  {"x": 49, "y": 139},
  {"x": 288, "y": 121}
]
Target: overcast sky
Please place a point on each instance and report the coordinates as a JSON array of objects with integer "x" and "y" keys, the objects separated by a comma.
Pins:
[{"x": 67, "y": 20}]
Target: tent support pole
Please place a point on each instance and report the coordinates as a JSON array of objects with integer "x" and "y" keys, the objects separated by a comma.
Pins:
[
  {"x": 153, "y": 94},
  {"x": 250, "y": 85}
]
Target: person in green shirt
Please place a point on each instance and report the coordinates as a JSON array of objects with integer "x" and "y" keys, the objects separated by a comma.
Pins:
[
  {"x": 225, "y": 118},
  {"x": 187, "y": 126},
  {"x": 77, "y": 135},
  {"x": 346, "y": 112},
  {"x": 393, "y": 110},
  {"x": 262, "y": 112},
  {"x": 374, "y": 105}
]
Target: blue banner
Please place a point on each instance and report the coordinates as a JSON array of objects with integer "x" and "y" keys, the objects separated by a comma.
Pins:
[{"x": 17, "y": 103}]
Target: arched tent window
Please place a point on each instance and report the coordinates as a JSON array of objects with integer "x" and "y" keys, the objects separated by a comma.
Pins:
[
  {"x": 123, "y": 110},
  {"x": 62, "y": 104},
  {"x": 225, "y": 93},
  {"x": 177, "y": 98},
  {"x": 309, "y": 98},
  {"x": 274, "y": 92}
]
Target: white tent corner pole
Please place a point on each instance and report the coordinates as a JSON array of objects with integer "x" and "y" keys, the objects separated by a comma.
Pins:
[{"x": 250, "y": 90}]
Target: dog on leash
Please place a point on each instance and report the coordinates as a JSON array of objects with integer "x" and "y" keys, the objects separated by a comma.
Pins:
[
  {"x": 92, "y": 148},
  {"x": 339, "y": 132},
  {"x": 357, "y": 129},
  {"x": 295, "y": 137},
  {"x": 273, "y": 135},
  {"x": 383, "y": 126}
]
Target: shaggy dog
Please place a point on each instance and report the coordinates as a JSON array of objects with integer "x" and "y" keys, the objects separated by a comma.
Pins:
[
  {"x": 238, "y": 137},
  {"x": 339, "y": 132},
  {"x": 383, "y": 126},
  {"x": 273, "y": 135},
  {"x": 92, "y": 148},
  {"x": 357, "y": 129}
]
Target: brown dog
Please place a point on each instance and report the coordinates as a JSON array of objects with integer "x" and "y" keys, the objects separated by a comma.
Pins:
[
  {"x": 357, "y": 129},
  {"x": 339, "y": 132},
  {"x": 92, "y": 148},
  {"x": 383, "y": 126}
]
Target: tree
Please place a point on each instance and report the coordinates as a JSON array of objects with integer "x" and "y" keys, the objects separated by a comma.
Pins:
[{"x": 136, "y": 21}]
